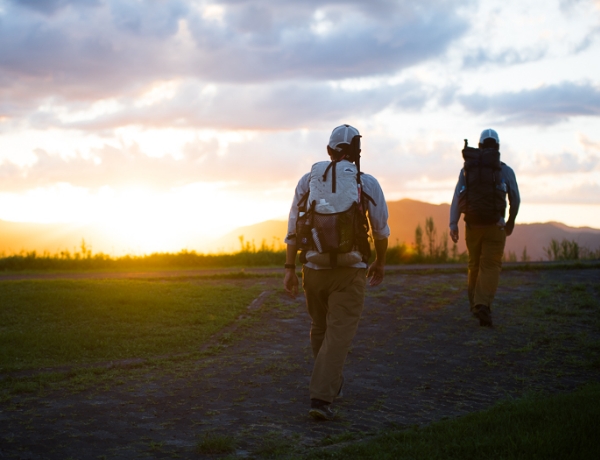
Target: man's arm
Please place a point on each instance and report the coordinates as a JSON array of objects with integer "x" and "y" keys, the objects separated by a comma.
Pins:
[
  {"x": 290, "y": 280},
  {"x": 378, "y": 217},
  {"x": 377, "y": 268},
  {"x": 514, "y": 198},
  {"x": 454, "y": 209}
]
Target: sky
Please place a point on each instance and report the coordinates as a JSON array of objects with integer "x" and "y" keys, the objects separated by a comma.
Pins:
[{"x": 158, "y": 118}]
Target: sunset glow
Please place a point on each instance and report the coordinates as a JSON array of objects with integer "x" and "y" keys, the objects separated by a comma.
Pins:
[{"x": 169, "y": 124}]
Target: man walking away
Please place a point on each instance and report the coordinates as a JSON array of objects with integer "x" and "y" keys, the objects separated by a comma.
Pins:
[
  {"x": 328, "y": 223},
  {"x": 480, "y": 194}
]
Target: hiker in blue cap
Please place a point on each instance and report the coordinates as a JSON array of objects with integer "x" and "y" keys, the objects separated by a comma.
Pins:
[{"x": 483, "y": 185}]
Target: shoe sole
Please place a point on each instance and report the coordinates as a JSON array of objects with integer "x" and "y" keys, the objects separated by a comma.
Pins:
[{"x": 320, "y": 415}]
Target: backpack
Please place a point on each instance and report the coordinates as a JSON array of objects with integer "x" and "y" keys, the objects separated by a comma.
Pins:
[
  {"x": 332, "y": 228},
  {"x": 483, "y": 198}
]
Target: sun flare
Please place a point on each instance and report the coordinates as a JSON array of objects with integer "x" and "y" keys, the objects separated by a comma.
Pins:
[{"x": 143, "y": 220}]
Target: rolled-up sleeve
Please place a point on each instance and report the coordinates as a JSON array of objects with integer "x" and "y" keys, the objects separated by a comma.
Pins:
[
  {"x": 301, "y": 190},
  {"x": 377, "y": 212}
]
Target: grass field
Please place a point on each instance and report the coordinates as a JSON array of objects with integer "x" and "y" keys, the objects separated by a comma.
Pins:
[
  {"x": 535, "y": 427},
  {"x": 75, "y": 328},
  {"x": 67, "y": 322}
]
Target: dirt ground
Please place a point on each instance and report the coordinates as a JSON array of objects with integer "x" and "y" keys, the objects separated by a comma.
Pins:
[{"x": 419, "y": 356}]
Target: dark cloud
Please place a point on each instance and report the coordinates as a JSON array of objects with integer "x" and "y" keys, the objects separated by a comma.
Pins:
[
  {"x": 546, "y": 105},
  {"x": 88, "y": 53},
  {"x": 360, "y": 41},
  {"x": 104, "y": 48},
  {"x": 49, "y": 7}
]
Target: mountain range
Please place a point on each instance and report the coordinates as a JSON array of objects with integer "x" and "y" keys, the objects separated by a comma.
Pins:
[{"x": 404, "y": 216}]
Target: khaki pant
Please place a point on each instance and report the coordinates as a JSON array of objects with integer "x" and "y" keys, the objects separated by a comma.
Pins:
[
  {"x": 334, "y": 299},
  {"x": 486, "y": 247}
]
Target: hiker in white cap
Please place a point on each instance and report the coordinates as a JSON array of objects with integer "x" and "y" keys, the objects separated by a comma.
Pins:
[
  {"x": 483, "y": 185},
  {"x": 329, "y": 223}
]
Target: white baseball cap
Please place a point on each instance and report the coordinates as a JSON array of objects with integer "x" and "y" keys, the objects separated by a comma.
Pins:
[
  {"x": 342, "y": 135},
  {"x": 489, "y": 134}
]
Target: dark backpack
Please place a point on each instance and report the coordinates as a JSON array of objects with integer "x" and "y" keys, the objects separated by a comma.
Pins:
[{"x": 483, "y": 199}]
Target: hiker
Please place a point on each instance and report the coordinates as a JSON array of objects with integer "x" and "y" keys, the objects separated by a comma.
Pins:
[
  {"x": 328, "y": 223},
  {"x": 480, "y": 194}
]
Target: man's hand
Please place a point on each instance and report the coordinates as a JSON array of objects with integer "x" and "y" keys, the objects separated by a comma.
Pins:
[
  {"x": 290, "y": 282},
  {"x": 454, "y": 235},
  {"x": 509, "y": 227},
  {"x": 375, "y": 272}
]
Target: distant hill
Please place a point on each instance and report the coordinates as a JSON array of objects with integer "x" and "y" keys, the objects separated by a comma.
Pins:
[
  {"x": 537, "y": 236},
  {"x": 405, "y": 215},
  {"x": 270, "y": 232}
]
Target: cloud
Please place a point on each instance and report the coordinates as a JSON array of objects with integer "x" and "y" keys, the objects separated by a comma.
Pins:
[
  {"x": 49, "y": 7},
  {"x": 546, "y": 105},
  {"x": 568, "y": 6},
  {"x": 245, "y": 164},
  {"x": 322, "y": 40},
  {"x": 100, "y": 49},
  {"x": 253, "y": 107},
  {"x": 589, "y": 145},
  {"x": 587, "y": 41},
  {"x": 265, "y": 161},
  {"x": 483, "y": 57},
  {"x": 564, "y": 163},
  {"x": 108, "y": 166},
  {"x": 587, "y": 192}
]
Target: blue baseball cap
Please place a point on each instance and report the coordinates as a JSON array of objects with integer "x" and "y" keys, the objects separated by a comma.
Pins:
[{"x": 489, "y": 134}]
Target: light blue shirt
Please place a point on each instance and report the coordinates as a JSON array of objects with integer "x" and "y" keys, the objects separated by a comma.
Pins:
[{"x": 512, "y": 189}]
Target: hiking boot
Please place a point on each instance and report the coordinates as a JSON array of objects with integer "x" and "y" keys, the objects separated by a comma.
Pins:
[
  {"x": 321, "y": 410},
  {"x": 484, "y": 314}
]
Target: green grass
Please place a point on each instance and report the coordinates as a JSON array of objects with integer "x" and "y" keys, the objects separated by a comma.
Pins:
[
  {"x": 249, "y": 256},
  {"x": 67, "y": 322},
  {"x": 212, "y": 443},
  {"x": 274, "y": 445},
  {"x": 536, "y": 427}
]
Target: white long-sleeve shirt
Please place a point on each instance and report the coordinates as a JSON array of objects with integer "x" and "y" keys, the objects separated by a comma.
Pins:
[{"x": 377, "y": 214}]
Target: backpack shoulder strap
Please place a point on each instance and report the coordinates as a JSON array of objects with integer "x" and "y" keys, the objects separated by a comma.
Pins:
[
  {"x": 368, "y": 197},
  {"x": 303, "y": 201},
  {"x": 333, "y": 168}
]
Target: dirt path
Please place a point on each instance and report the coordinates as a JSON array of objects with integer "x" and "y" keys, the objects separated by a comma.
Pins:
[{"x": 419, "y": 356}]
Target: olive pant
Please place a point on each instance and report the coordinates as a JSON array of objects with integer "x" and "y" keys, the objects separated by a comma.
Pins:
[
  {"x": 335, "y": 300},
  {"x": 486, "y": 248}
]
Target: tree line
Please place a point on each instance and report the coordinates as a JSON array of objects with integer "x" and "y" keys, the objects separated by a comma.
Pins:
[{"x": 429, "y": 247}]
